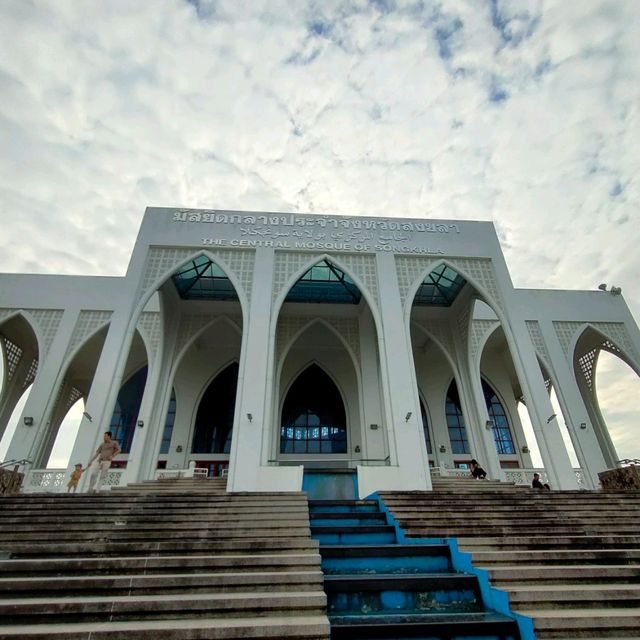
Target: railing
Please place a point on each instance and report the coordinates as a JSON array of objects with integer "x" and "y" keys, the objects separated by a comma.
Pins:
[
  {"x": 14, "y": 463},
  {"x": 519, "y": 477},
  {"x": 55, "y": 480},
  {"x": 364, "y": 462},
  {"x": 190, "y": 472}
]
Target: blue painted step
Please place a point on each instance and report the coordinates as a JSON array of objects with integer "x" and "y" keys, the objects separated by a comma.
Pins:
[
  {"x": 386, "y": 559},
  {"x": 377, "y": 588}
]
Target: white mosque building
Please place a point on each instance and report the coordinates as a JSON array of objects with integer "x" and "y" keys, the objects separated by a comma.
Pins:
[{"x": 289, "y": 351}]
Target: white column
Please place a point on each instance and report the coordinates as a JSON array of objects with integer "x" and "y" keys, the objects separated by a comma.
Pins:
[
  {"x": 104, "y": 388},
  {"x": 590, "y": 456},
  {"x": 409, "y": 468},
  {"x": 248, "y": 468},
  {"x": 552, "y": 448}
]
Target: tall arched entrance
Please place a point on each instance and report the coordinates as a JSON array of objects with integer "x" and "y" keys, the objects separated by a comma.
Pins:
[
  {"x": 213, "y": 427},
  {"x": 313, "y": 416}
]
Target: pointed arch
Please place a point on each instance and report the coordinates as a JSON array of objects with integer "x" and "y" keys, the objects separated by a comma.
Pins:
[
  {"x": 31, "y": 323},
  {"x": 213, "y": 427},
  {"x": 603, "y": 342},
  {"x": 125, "y": 413},
  {"x": 486, "y": 297},
  {"x": 335, "y": 260},
  {"x": 313, "y": 418},
  {"x": 302, "y": 330},
  {"x": 222, "y": 319},
  {"x": 155, "y": 283},
  {"x": 437, "y": 341}
]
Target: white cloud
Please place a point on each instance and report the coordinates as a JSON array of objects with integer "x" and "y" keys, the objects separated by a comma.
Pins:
[{"x": 525, "y": 113}]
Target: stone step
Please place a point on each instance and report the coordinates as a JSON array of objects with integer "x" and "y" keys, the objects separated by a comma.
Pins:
[
  {"x": 106, "y": 548},
  {"x": 309, "y": 627},
  {"x": 572, "y": 574},
  {"x": 114, "y": 534},
  {"x": 173, "y": 523},
  {"x": 159, "y": 583},
  {"x": 150, "y": 565},
  {"x": 558, "y": 556},
  {"x": 570, "y": 596},
  {"x": 402, "y": 626},
  {"x": 112, "y": 608},
  {"x": 584, "y": 623},
  {"x": 555, "y": 542}
]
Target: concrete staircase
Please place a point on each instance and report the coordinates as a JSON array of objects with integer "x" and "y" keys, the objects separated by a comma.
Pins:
[
  {"x": 568, "y": 559},
  {"x": 171, "y": 559}
]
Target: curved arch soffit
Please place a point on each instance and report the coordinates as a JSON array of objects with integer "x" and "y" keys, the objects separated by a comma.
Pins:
[
  {"x": 485, "y": 339},
  {"x": 209, "y": 382},
  {"x": 366, "y": 294},
  {"x": 442, "y": 348},
  {"x": 627, "y": 358},
  {"x": 160, "y": 280},
  {"x": 302, "y": 369},
  {"x": 69, "y": 357},
  {"x": 428, "y": 414},
  {"x": 183, "y": 351},
  {"x": 33, "y": 325},
  {"x": 300, "y": 332},
  {"x": 478, "y": 289}
]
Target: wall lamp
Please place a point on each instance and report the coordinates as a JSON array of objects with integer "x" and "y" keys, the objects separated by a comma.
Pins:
[
  {"x": 373, "y": 427},
  {"x": 179, "y": 449},
  {"x": 443, "y": 449},
  {"x": 551, "y": 417},
  {"x": 408, "y": 416},
  {"x": 249, "y": 417},
  {"x": 87, "y": 416},
  {"x": 28, "y": 421},
  {"x": 583, "y": 425},
  {"x": 525, "y": 449},
  {"x": 141, "y": 423},
  {"x": 488, "y": 425}
]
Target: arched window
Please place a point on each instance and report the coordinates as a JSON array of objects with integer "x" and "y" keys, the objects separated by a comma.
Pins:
[
  {"x": 214, "y": 420},
  {"x": 425, "y": 426},
  {"x": 125, "y": 414},
  {"x": 455, "y": 421},
  {"x": 313, "y": 416},
  {"x": 497, "y": 414},
  {"x": 168, "y": 424}
]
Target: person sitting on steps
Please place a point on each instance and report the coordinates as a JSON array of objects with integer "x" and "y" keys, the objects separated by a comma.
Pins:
[
  {"x": 477, "y": 471},
  {"x": 537, "y": 484}
]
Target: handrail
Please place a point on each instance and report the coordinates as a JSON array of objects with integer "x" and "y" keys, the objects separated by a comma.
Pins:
[
  {"x": 628, "y": 461},
  {"x": 8, "y": 463}
]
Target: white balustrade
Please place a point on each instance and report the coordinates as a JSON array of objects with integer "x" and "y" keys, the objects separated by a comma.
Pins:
[{"x": 55, "y": 480}]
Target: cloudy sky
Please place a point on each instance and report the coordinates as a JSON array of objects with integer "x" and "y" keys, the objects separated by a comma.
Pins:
[{"x": 525, "y": 113}]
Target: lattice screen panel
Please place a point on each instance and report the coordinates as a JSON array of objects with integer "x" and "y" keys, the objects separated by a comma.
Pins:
[
  {"x": 31, "y": 374},
  {"x": 13, "y": 354},
  {"x": 149, "y": 326},
  {"x": 87, "y": 324},
  {"x": 48, "y": 321},
  {"x": 479, "y": 330},
  {"x": 533, "y": 327}
]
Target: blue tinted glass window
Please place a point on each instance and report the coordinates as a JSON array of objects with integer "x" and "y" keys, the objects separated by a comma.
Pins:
[{"x": 501, "y": 431}]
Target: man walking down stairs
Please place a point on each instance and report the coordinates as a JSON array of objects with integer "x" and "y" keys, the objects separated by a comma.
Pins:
[
  {"x": 568, "y": 559},
  {"x": 170, "y": 559}
]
